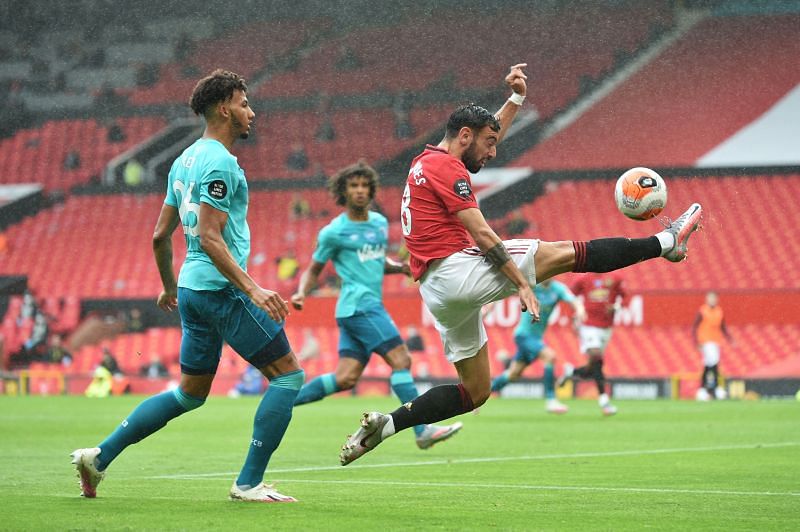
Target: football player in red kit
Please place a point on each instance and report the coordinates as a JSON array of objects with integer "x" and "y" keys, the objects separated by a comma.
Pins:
[
  {"x": 602, "y": 293},
  {"x": 462, "y": 264}
]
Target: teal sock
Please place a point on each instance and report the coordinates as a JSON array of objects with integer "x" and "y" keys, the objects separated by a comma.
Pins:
[
  {"x": 151, "y": 415},
  {"x": 549, "y": 381},
  {"x": 317, "y": 389},
  {"x": 272, "y": 418},
  {"x": 404, "y": 388},
  {"x": 500, "y": 382}
]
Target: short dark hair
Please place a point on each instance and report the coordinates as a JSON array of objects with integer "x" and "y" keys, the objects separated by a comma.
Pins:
[
  {"x": 472, "y": 116},
  {"x": 337, "y": 184},
  {"x": 215, "y": 88}
]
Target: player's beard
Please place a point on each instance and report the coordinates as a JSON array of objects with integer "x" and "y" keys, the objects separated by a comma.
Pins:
[
  {"x": 245, "y": 131},
  {"x": 470, "y": 159}
]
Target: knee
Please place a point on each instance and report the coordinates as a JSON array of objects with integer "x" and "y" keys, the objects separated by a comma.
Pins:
[
  {"x": 346, "y": 382},
  {"x": 479, "y": 394},
  {"x": 189, "y": 402},
  {"x": 401, "y": 363}
]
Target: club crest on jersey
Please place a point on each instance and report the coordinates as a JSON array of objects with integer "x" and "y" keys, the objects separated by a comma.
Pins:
[
  {"x": 416, "y": 173},
  {"x": 462, "y": 188},
  {"x": 217, "y": 189}
]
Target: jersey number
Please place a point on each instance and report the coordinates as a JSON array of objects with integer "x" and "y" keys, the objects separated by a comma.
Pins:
[
  {"x": 188, "y": 211},
  {"x": 405, "y": 212}
]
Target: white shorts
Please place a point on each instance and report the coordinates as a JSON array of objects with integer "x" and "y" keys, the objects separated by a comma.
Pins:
[
  {"x": 594, "y": 338},
  {"x": 710, "y": 352},
  {"x": 457, "y": 287}
]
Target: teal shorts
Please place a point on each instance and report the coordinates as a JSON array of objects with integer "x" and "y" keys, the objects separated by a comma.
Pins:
[
  {"x": 528, "y": 348},
  {"x": 209, "y": 317},
  {"x": 366, "y": 332}
]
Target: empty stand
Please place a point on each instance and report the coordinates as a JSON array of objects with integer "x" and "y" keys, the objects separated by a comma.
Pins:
[
  {"x": 37, "y": 155},
  {"x": 722, "y": 75},
  {"x": 746, "y": 241}
]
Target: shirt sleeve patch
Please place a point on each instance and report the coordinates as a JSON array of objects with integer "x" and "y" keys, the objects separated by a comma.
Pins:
[
  {"x": 217, "y": 189},
  {"x": 461, "y": 187}
]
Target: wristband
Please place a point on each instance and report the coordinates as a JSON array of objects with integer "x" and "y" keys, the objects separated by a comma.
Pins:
[{"x": 516, "y": 98}]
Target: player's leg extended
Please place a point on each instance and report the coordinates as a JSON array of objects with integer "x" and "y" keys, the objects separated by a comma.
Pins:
[
  {"x": 201, "y": 347},
  {"x": 513, "y": 372},
  {"x": 608, "y": 254},
  {"x": 347, "y": 373}
]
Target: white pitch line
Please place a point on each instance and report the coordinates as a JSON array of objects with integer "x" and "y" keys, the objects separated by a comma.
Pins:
[
  {"x": 545, "y": 488},
  {"x": 490, "y": 459}
]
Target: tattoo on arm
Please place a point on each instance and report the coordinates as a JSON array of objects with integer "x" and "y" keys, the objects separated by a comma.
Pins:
[{"x": 498, "y": 255}]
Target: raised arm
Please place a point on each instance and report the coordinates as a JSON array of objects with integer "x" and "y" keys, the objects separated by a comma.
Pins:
[
  {"x": 516, "y": 80},
  {"x": 496, "y": 253},
  {"x": 211, "y": 223},
  {"x": 308, "y": 280}
]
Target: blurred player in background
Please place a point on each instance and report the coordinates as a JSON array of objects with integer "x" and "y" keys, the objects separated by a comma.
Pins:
[
  {"x": 708, "y": 331},
  {"x": 356, "y": 241},
  {"x": 529, "y": 337},
  {"x": 602, "y": 294},
  {"x": 217, "y": 300},
  {"x": 463, "y": 265}
]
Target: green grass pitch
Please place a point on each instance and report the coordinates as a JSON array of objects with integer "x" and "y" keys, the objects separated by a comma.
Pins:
[{"x": 665, "y": 465}]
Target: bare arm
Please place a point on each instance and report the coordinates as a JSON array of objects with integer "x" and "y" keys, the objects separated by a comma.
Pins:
[
  {"x": 487, "y": 239},
  {"x": 168, "y": 221},
  {"x": 516, "y": 80},
  {"x": 391, "y": 266},
  {"x": 308, "y": 280},
  {"x": 726, "y": 332},
  {"x": 211, "y": 222}
]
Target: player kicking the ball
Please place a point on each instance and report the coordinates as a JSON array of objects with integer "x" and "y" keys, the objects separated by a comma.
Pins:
[
  {"x": 355, "y": 241},
  {"x": 442, "y": 223}
]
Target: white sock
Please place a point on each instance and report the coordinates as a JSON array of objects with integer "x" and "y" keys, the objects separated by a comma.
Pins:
[
  {"x": 603, "y": 400},
  {"x": 667, "y": 241},
  {"x": 388, "y": 429}
]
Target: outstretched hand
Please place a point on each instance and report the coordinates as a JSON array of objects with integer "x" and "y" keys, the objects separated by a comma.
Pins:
[{"x": 516, "y": 79}]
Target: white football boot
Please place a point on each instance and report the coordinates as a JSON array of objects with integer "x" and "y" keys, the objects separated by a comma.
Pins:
[{"x": 90, "y": 477}]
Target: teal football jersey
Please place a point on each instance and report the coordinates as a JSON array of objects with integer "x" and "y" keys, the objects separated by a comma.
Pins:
[
  {"x": 548, "y": 297},
  {"x": 206, "y": 172},
  {"x": 358, "y": 252}
]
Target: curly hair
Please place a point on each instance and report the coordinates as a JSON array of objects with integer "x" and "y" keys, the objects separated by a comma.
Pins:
[
  {"x": 215, "y": 88},
  {"x": 472, "y": 116},
  {"x": 337, "y": 183}
]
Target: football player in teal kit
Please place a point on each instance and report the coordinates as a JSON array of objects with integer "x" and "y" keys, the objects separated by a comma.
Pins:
[
  {"x": 355, "y": 241},
  {"x": 216, "y": 298},
  {"x": 529, "y": 337}
]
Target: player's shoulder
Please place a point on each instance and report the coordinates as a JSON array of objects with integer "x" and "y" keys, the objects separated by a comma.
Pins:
[
  {"x": 334, "y": 226},
  {"x": 216, "y": 156},
  {"x": 376, "y": 217}
]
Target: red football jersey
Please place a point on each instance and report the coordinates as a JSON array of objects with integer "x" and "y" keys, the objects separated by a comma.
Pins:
[
  {"x": 599, "y": 291},
  {"x": 438, "y": 186}
]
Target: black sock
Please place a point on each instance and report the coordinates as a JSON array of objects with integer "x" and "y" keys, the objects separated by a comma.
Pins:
[
  {"x": 714, "y": 377},
  {"x": 598, "y": 376},
  {"x": 438, "y": 403},
  {"x": 609, "y": 254},
  {"x": 583, "y": 372}
]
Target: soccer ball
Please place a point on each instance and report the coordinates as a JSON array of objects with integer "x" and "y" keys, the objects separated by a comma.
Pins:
[{"x": 640, "y": 194}]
